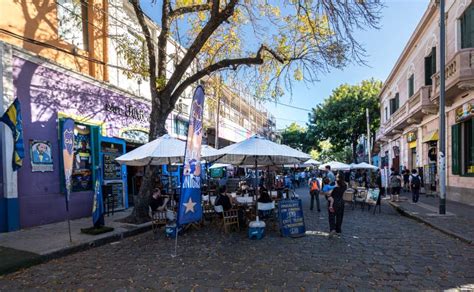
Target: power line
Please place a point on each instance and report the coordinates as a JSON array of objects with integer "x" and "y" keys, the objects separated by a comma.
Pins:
[{"x": 292, "y": 106}]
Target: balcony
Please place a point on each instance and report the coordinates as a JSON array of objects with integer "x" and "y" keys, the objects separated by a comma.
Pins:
[
  {"x": 459, "y": 76},
  {"x": 411, "y": 112}
]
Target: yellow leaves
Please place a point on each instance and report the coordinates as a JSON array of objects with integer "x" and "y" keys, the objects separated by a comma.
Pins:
[{"x": 298, "y": 74}]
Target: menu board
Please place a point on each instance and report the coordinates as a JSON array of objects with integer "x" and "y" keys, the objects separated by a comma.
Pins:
[
  {"x": 290, "y": 218},
  {"x": 112, "y": 169},
  {"x": 113, "y": 191}
]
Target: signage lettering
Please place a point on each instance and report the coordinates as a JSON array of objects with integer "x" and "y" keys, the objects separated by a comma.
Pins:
[{"x": 128, "y": 111}]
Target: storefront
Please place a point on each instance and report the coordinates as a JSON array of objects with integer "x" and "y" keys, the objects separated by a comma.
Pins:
[
  {"x": 412, "y": 156},
  {"x": 105, "y": 121}
]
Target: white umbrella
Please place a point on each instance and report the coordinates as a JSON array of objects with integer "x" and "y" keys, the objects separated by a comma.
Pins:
[
  {"x": 219, "y": 165},
  {"x": 311, "y": 162},
  {"x": 335, "y": 166},
  {"x": 257, "y": 150},
  {"x": 164, "y": 150},
  {"x": 364, "y": 165},
  {"x": 208, "y": 151}
]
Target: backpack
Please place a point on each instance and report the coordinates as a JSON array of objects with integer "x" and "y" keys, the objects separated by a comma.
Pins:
[
  {"x": 314, "y": 185},
  {"x": 395, "y": 182},
  {"x": 415, "y": 182}
]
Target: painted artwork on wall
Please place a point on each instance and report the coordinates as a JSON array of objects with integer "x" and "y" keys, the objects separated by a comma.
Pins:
[{"x": 40, "y": 154}]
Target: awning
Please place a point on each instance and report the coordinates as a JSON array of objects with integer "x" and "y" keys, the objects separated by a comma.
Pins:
[
  {"x": 412, "y": 145},
  {"x": 432, "y": 136}
]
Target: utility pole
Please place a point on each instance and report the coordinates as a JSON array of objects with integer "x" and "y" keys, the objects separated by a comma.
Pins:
[
  {"x": 442, "y": 114},
  {"x": 368, "y": 136}
]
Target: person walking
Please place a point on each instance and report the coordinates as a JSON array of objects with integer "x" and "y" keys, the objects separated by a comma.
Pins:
[
  {"x": 395, "y": 185},
  {"x": 335, "y": 218},
  {"x": 314, "y": 189},
  {"x": 330, "y": 174},
  {"x": 406, "y": 179},
  {"x": 415, "y": 185}
]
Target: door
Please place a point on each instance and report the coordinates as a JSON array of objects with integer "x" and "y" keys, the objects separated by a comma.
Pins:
[{"x": 114, "y": 175}]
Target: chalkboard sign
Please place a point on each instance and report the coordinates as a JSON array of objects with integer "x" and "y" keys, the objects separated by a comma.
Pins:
[
  {"x": 290, "y": 217},
  {"x": 114, "y": 190},
  {"x": 112, "y": 169}
]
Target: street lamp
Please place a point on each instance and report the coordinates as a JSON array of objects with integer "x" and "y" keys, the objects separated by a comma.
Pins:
[{"x": 442, "y": 114}]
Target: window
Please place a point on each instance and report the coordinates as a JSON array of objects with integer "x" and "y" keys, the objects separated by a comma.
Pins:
[
  {"x": 386, "y": 114},
  {"x": 467, "y": 28},
  {"x": 72, "y": 22},
  {"x": 411, "y": 85},
  {"x": 463, "y": 148},
  {"x": 181, "y": 127},
  {"x": 430, "y": 66},
  {"x": 394, "y": 104}
]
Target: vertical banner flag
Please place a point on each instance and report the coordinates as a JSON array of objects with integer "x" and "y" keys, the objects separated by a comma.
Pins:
[
  {"x": 190, "y": 209},
  {"x": 98, "y": 205},
  {"x": 12, "y": 118},
  {"x": 67, "y": 146}
]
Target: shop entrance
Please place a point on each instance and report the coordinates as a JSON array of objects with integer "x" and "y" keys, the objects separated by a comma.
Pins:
[
  {"x": 135, "y": 175},
  {"x": 412, "y": 162}
]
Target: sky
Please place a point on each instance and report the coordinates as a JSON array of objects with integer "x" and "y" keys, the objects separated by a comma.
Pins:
[{"x": 383, "y": 47}]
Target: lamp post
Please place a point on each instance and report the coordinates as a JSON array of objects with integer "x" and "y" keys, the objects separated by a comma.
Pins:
[{"x": 442, "y": 114}]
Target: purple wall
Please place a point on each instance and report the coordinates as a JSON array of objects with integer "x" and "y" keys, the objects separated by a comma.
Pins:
[{"x": 43, "y": 93}]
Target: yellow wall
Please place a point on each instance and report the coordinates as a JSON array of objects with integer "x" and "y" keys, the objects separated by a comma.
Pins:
[{"x": 36, "y": 19}]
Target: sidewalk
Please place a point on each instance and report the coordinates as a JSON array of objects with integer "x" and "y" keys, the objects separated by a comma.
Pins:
[
  {"x": 457, "y": 222},
  {"x": 30, "y": 246}
]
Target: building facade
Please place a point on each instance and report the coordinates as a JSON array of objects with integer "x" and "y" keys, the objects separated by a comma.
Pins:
[
  {"x": 63, "y": 60},
  {"x": 408, "y": 136}
]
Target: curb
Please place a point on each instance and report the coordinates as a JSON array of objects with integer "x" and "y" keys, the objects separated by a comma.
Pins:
[
  {"x": 76, "y": 248},
  {"x": 434, "y": 226}
]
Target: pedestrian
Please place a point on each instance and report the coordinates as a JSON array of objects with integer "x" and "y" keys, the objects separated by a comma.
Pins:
[
  {"x": 335, "y": 218},
  {"x": 395, "y": 185},
  {"x": 415, "y": 185},
  {"x": 330, "y": 174},
  {"x": 378, "y": 182},
  {"x": 406, "y": 179},
  {"x": 314, "y": 188}
]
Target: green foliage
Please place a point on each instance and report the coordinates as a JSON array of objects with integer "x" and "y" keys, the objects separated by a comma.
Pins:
[
  {"x": 295, "y": 137},
  {"x": 341, "y": 119},
  {"x": 327, "y": 153}
]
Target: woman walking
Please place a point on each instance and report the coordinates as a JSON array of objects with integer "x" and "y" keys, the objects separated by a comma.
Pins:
[{"x": 335, "y": 217}]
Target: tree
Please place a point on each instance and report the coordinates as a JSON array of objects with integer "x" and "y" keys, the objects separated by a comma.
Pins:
[
  {"x": 341, "y": 119},
  {"x": 327, "y": 153},
  {"x": 295, "y": 137},
  {"x": 268, "y": 46}
]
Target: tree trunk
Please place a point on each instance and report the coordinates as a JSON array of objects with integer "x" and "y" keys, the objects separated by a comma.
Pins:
[
  {"x": 140, "y": 212},
  {"x": 354, "y": 151}
]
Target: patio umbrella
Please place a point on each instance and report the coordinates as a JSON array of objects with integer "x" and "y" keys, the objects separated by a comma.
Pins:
[
  {"x": 335, "y": 166},
  {"x": 219, "y": 165},
  {"x": 312, "y": 162},
  {"x": 164, "y": 150},
  {"x": 364, "y": 165}
]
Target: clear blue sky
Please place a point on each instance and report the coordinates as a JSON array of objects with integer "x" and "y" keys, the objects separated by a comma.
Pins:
[{"x": 383, "y": 47}]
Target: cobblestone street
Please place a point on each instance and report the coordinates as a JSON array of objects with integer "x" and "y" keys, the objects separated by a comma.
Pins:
[{"x": 381, "y": 251}]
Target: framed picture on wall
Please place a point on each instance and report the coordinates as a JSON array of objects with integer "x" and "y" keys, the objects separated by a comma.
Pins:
[{"x": 40, "y": 155}]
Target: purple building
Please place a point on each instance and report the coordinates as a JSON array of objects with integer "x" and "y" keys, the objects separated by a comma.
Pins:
[{"x": 48, "y": 94}]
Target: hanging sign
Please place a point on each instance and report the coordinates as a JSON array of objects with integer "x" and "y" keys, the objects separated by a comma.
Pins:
[
  {"x": 411, "y": 137},
  {"x": 40, "y": 155},
  {"x": 464, "y": 112},
  {"x": 290, "y": 218}
]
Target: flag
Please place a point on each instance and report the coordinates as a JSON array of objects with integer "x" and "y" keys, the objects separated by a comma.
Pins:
[
  {"x": 12, "y": 118},
  {"x": 190, "y": 209},
  {"x": 67, "y": 134},
  {"x": 98, "y": 204}
]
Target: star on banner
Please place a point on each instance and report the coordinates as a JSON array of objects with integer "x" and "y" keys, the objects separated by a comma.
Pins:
[{"x": 189, "y": 206}]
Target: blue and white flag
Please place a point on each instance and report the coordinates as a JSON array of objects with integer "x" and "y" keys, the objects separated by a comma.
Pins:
[
  {"x": 98, "y": 204},
  {"x": 190, "y": 209},
  {"x": 12, "y": 118}
]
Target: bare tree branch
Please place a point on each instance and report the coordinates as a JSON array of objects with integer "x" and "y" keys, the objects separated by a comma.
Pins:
[{"x": 190, "y": 9}]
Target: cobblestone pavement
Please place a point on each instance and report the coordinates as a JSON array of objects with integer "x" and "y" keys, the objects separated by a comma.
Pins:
[{"x": 381, "y": 252}]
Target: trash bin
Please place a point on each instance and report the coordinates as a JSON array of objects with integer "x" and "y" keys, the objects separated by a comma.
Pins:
[{"x": 256, "y": 229}]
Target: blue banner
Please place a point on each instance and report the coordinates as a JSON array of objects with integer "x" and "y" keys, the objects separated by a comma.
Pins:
[
  {"x": 12, "y": 118},
  {"x": 98, "y": 204},
  {"x": 67, "y": 137},
  {"x": 190, "y": 209}
]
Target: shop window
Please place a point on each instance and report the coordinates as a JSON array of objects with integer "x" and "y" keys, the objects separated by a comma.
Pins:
[
  {"x": 86, "y": 157},
  {"x": 430, "y": 66},
  {"x": 467, "y": 28},
  {"x": 72, "y": 22},
  {"x": 463, "y": 148},
  {"x": 411, "y": 85},
  {"x": 394, "y": 104}
]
